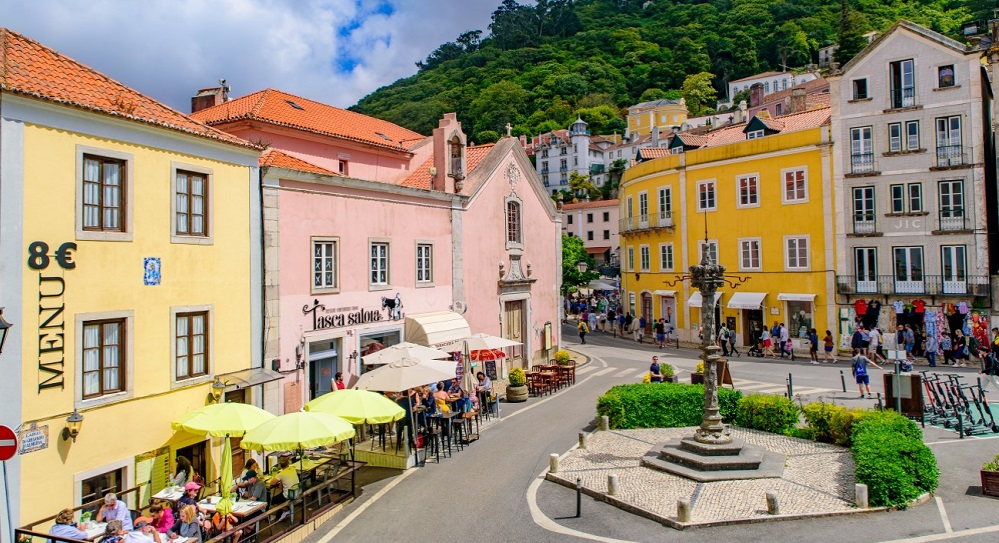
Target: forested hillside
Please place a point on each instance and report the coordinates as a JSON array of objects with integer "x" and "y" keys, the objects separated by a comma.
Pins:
[{"x": 538, "y": 66}]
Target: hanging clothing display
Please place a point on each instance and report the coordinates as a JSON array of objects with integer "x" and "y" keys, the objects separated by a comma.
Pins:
[
  {"x": 898, "y": 305},
  {"x": 870, "y": 318}
]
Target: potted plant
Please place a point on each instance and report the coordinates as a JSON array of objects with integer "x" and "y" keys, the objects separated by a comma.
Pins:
[
  {"x": 562, "y": 357},
  {"x": 516, "y": 391},
  {"x": 697, "y": 378},
  {"x": 669, "y": 373},
  {"x": 990, "y": 478}
]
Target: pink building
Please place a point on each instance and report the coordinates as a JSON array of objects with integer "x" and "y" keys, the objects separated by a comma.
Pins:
[
  {"x": 374, "y": 235},
  {"x": 596, "y": 223}
]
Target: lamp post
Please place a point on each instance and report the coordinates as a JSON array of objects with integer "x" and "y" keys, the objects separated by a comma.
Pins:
[
  {"x": 581, "y": 266},
  {"x": 218, "y": 390},
  {"x": 74, "y": 423},
  {"x": 4, "y": 329}
]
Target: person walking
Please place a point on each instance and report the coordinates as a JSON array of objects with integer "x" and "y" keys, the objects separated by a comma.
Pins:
[
  {"x": 785, "y": 342},
  {"x": 947, "y": 348},
  {"x": 930, "y": 348},
  {"x": 660, "y": 330},
  {"x": 655, "y": 374},
  {"x": 722, "y": 340},
  {"x": 591, "y": 321},
  {"x": 582, "y": 328},
  {"x": 621, "y": 319},
  {"x": 910, "y": 341},
  {"x": 874, "y": 347},
  {"x": 767, "y": 343},
  {"x": 640, "y": 331},
  {"x": 813, "y": 345},
  {"x": 775, "y": 339},
  {"x": 827, "y": 346},
  {"x": 860, "y": 363},
  {"x": 960, "y": 349},
  {"x": 731, "y": 343}
]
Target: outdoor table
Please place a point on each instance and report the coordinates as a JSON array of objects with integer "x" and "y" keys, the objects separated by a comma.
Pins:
[
  {"x": 239, "y": 508},
  {"x": 95, "y": 529},
  {"x": 170, "y": 493}
]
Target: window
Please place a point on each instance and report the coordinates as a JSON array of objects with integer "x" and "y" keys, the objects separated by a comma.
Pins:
[
  {"x": 861, "y": 150},
  {"x": 324, "y": 264},
  {"x": 712, "y": 251},
  {"x": 865, "y": 265},
  {"x": 568, "y": 219},
  {"x": 863, "y": 210},
  {"x": 945, "y": 76},
  {"x": 103, "y": 358},
  {"x": 644, "y": 259},
  {"x": 589, "y": 235},
  {"x": 860, "y": 89},
  {"x": 897, "y": 198},
  {"x": 908, "y": 269},
  {"x": 906, "y": 199},
  {"x": 779, "y": 109},
  {"x": 631, "y": 259},
  {"x": 341, "y": 167},
  {"x": 424, "y": 263},
  {"x": 766, "y": 87},
  {"x": 563, "y": 164},
  {"x": 796, "y": 252},
  {"x": 606, "y": 234},
  {"x": 643, "y": 207},
  {"x": 192, "y": 345},
  {"x": 903, "y": 83},
  {"x": 379, "y": 263},
  {"x": 951, "y": 205},
  {"x": 894, "y": 137},
  {"x": 911, "y": 135},
  {"x": 795, "y": 185},
  {"x": 513, "y": 226},
  {"x": 953, "y": 264},
  {"x": 706, "y": 196},
  {"x": 749, "y": 190},
  {"x": 915, "y": 197},
  {"x": 589, "y": 217},
  {"x": 676, "y": 150},
  {"x": 606, "y": 216},
  {"x": 191, "y": 192},
  {"x": 949, "y": 152},
  {"x": 104, "y": 187},
  {"x": 749, "y": 254},
  {"x": 666, "y": 257},
  {"x": 754, "y": 134},
  {"x": 665, "y": 203},
  {"x": 94, "y": 488}
]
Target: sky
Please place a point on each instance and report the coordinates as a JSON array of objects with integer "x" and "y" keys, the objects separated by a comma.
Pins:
[{"x": 332, "y": 51}]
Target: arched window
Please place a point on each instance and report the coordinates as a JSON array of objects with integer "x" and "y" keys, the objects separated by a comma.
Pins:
[
  {"x": 514, "y": 233},
  {"x": 456, "y": 149}
]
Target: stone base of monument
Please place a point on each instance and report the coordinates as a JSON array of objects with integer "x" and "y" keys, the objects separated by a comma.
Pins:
[{"x": 708, "y": 462}]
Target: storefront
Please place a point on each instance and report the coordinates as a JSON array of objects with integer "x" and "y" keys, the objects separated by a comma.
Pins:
[
  {"x": 696, "y": 301},
  {"x": 750, "y": 304},
  {"x": 667, "y": 306},
  {"x": 800, "y": 311}
]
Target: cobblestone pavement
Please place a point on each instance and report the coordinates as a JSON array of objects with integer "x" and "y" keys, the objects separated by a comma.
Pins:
[{"x": 817, "y": 479}]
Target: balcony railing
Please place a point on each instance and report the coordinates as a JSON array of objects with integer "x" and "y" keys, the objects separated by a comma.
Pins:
[
  {"x": 904, "y": 97},
  {"x": 544, "y": 170},
  {"x": 950, "y": 155},
  {"x": 925, "y": 285},
  {"x": 864, "y": 224},
  {"x": 646, "y": 222},
  {"x": 952, "y": 219},
  {"x": 862, "y": 163},
  {"x": 563, "y": 168},
  {"x": 563, "y": 182}
]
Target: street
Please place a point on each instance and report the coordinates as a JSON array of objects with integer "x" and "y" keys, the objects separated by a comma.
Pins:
[{"x": 492, "y": 490}]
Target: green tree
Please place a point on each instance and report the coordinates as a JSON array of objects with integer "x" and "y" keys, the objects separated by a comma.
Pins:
[
  {"x": 699, "y": 93},
  {"x": 652, "y": 94},
  {"x": 573, "y": 252},
  {"x": 487, "y": 136},
  {"x": 582, "y": 186},
  {"x": 850, "y": 34},
  {"x": 498, "y": 104}
]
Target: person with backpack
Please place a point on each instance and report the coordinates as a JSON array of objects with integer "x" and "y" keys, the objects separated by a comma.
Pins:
[
  {"x": 860, "y": 363},
  {"x": 660, "y": 330},
  {"x": 930, "y": 347},
  {"x": 813, "y": 345},
  {"x": 722, "y": 340},
  {"x": 583, "y": 329},
  {"x": 731, "y": 343}
]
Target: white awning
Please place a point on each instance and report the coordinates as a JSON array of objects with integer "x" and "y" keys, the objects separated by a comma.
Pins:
[
  {"x": 666, "y": 293},
  {"x": 746, "y": 300},
  {"x": 790, "y": 297},
  {"x": 695, "y": 299},
  {"x": 437, "y": 330}
]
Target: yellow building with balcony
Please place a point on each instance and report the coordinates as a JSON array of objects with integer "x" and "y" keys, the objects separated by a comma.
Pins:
[
  {"x": 663, "y": 114},
  {"x": 760, "y": 195},
  {"x": 131, "y": 274}
]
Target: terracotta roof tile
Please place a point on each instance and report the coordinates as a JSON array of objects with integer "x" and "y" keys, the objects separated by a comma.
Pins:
[
  {"x": 283, "y": 109},
  {"x": 588, "y": 205},
  {"x": 815, "y": 85},
  {"x": 794, "y": 122},
  {"x": 649, "y": 153},
  {"x": 31, "y": 69},
  {"x": 420, "y": 178},
  {"x": 279, "y": 159}
]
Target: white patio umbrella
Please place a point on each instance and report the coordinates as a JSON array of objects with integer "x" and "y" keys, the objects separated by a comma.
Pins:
[
  {"x": 480, "y": 342},
  {"x": 401, "y": 351}
]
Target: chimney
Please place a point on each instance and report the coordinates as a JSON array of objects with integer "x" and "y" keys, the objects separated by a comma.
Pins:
[
  {"x": 210, "y": 97},
  {"x": 655, "y": 136},
  {"x": 755, "y": 95},
  {"x": 742, "y": 114},
  {"x": 523, "y": 141},
  {"x": 797, "y": 101}
]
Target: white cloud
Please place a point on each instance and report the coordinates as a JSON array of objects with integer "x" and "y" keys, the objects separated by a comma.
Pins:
[{"x": 170, "y": 48}]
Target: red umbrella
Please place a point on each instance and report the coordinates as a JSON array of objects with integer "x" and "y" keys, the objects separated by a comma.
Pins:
[
  {"x": 372, "y": 347},
  {"x": 487, "y": 354}
]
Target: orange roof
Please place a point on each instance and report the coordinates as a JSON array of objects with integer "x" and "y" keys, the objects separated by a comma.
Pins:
[
  {"x": 31, "y": 69},
  {"x": 420, "y": 178},
  {"x": 648, "y": 153},
  {"x": 283, "y": 109},
  {"x": 279, "y": 159},
  {"x": 587, "y": 205},
  {"x": 815, "y": 85}
]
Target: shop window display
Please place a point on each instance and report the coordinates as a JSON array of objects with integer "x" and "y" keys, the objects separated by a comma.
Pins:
[{"x": 800, "y": 318}]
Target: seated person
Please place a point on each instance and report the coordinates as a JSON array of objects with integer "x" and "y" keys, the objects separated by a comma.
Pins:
[
  {"x": 66, "y": 527},
  {"x": 441, "y": 393},
  {"x": 188, "y": 525},
  {"x": 142, "y": 532},
  {"x": 464, "y": 404},
  {"x": 115, "y": 509},
  {"x": 483, "y": 389},
  {"x": 162, "y": 517},
  {"x": 251, "y": 465},
  {"x": 223, "y": 523},
  {"x": 190, "y": 497},
  {"x": 113, "y": 532},
  {"x": 286, "y": 480},
  {"x": 253, "y": 489}
]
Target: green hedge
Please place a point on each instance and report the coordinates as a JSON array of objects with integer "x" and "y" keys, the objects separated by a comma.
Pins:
[
  {"x": 892, "y": 459},
  {"x": 767, "y": 412},
  {"x": 665, "y": 405}
]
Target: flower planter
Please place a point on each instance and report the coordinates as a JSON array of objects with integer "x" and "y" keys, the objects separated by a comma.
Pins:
[
  {"x": 697, "y": 378},
  {"x": 990, "y": 483},
  {"x": 671, "y": 379},
  {"x": 516, "y": 394}
]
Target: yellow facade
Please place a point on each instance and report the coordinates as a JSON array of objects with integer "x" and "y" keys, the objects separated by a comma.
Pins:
[
  {"x": 736, "y": 223},
  {"x": 107, "y": 280},
  {"x": 665, "y": 116}
]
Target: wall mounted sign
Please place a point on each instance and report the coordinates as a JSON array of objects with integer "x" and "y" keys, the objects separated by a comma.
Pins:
[
  {"x": 338, "y": 317},
  {"x": 151, "y": 270},
  {"x": 34, "y": 438},
  {"x": 51, "y": 305}
]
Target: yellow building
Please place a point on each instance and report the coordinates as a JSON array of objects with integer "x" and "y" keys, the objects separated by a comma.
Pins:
[
  {"x": 129, "y": 266},
  {"x": 760, "y": 193},
  {"x": 664, "y": 114}
]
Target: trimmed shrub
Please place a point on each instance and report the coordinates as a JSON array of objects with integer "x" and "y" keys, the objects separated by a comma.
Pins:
[
  {"x": 562, "y": 357},
  {"x": 666, "y": 405},
  {"x": 517, "y": 377},
  {"x": 892, "y": 459},
  {"x": 767, "y": 412},
  {"x": 819, "y": 420}
]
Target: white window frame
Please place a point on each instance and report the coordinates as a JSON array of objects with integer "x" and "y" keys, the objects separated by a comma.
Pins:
[
  {"x": 713, "y": 193},
  {"x": 907, "y": 137},
  {"x": 335, "y": 288},
  {"x": 631, "y": 258},
  {"x": 643, "y": 208},
  {"x": 209, "y": 331},
  {"x": 644, "y": 258},
  {"x": 515, "y": 246},
  {"x": 750, "y": 244},
  {"x": 209, "y": 173},
  {"x": 754, "y": 196},
  {"x": 128, "y": 203},
  {"x": 676, "y": 150},
  {"x": 783, "y": 185},
  {"x": 666, "y": 255},
  {"x": 128, "y": 366},
  {"x": 787, "y": 252},
  {"x": 372, "y": 286},
  {"x": 755, "y": 134},
  {"x": 423, "y": 246},
  {"x": 894, "y": 139}
]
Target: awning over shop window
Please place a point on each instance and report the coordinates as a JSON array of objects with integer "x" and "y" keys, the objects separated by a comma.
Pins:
[
  {"x": 790, "y": 297},
  {"x": 665, "y": 293},
  {"x": 695, "y": 299},
  {"x": 437, "y": 330},
  {"x": 597, "y": 250},
  {"x": 746, "y": 300},
  {"x": 247, "y": 378}
]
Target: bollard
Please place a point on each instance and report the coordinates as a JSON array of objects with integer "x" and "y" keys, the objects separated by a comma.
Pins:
[
  {"x": 897, "y": 387},
  {"x": 553, "y": 463},
  {"x": 604, "y": 423},
  {"x": 773, "y": 507},
  {"x": 860, "y": 491},
  {"x": 582, "y": 440},
  {"x": 579, "y": 497},
  {"x": 790, "y": 386},
  {"x": 612, "y": 485},
  {"x": 842, "y": 379},
  {"x": 683, "y": 510}
]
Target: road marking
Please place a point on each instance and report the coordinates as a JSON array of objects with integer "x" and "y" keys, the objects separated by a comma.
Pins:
[
  {"x": 354, "y": 514},
  {"x": 604, "y": 371},
  {"x": 587, "y": 369},
  {"x": 625, "y": 373},
  {"x": 943, "y": 514},
  {"x": 977, "y": 438},
  {"x": 960, "y": 534},
  {"x": 813, "y": 390},
  {"x": 772, "y": 390},
  {"x": 755, "y": 387},
  {"x": 548, "y": 524}
]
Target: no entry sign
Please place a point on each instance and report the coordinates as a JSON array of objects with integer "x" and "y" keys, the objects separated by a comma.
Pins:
[{"x": 8, "y": 443}]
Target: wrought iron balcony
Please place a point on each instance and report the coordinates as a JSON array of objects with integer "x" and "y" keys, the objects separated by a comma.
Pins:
[
  {"x": 953, "y": 219},
  {"x": 949, "y": 156},
  {"x": 862, "y": 163},
  {"x": 645, "y": 222},
  {"x": 924, "y": 285},
  {"x": 903, "y": 97},
  {"x": 864, "y": 223}
]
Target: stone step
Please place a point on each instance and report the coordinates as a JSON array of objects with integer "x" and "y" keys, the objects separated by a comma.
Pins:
[
  {"x": 706, "y": 449},
  {"x": 746, "y": 459}
]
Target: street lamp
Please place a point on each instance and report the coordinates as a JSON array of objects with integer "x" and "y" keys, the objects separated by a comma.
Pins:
[
  {"x": 218, "y": 388},
  {"x": 4, "y": 329},
  {"x": 73, "y": 424},
  {"x": 581, "y": 266}
]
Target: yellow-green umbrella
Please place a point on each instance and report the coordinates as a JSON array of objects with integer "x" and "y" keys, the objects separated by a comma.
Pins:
[
  {"x": 222, "y": 419},
  {"x": 224, "y": 506},
  {"x": 357, "y": 406},
  {"x": 299, "y": 430}
]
